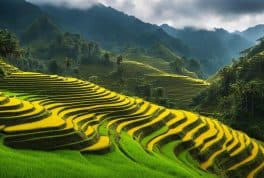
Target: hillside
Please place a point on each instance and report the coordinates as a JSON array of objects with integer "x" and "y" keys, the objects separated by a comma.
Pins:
[
  {"x": 44, "y": 40},
  {"x": 69, "y": 55},
  {"x": 13, "y": 16},
  {"x": 118, "y": 30},
  {"x": 178, "y": 89},
  {"x": 119, "y": 33},
  {"x": 41, "y": 30},
  {"x": 236, "y": 93},
  {"x": 253, "y": 33},
  {"x": 214, "y": 49},
  {"x": 133, "y": 133}
]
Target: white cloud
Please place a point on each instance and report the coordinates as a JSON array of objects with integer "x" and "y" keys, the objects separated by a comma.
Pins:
[
  {"x": 229, "y": 14},
  {"x": 82, "y": 4}
]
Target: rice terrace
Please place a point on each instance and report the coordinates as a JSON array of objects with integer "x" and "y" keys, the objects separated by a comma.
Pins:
[
  {"x": 49, "y": 112},
  {"x": 131, "y": 89}
]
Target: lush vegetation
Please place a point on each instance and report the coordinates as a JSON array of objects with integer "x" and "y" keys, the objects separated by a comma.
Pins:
[
  {"x": 118, "y": 31},
  {"x": 65, "y": 120},
  {"x": 74, "y": 164},
  {"x": 214, "y": 48},
  {"x": 93, "y": 120},
  {"x": 118, "y": 34},
  {"x": 13, "y": 16},
  {"x": 69, "y": 54},
  {"x": 237, "y": 93},
  {"x": 9, "y": 44}
]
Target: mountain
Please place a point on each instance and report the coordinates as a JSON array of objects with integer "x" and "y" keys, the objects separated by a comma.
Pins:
[
  {"x": 113, "y": 29},
  {"x": 42, "y": 29},
  {"x": 236, "y": 92},
  {"x": 119, "y": 32},
  {"x": 253, "y": 33},
  {"x": 17, "y": 15},
  {"x": 215, "y": 49}
]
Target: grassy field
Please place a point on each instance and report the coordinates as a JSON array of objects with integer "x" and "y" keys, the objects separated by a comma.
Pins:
[
  {"x": 85, "y": 130},
  {"x": 66, "y": 163}
]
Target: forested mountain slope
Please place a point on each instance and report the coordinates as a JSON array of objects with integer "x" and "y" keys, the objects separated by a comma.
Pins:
[
  {"x": 237, "y": 93},
  {"x": 214, "y": 49}
]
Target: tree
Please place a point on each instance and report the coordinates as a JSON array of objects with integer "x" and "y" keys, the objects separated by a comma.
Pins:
[
  {"x": 90, "y": 48},
  {"x": 53, "y": 67},
  {"x": 2, "y": 73},
  {"x": 67, "y": 63},
  {"x": 194, "y": 65},
  {"x": 177, "y": 66},
  {"x": 120, "y": 70},
  {"x": 76, "y": 71},
  {"x": 106, "y": 59},
  {"x": 119, "y": 60},
  {"x": 9, "y": 45}
]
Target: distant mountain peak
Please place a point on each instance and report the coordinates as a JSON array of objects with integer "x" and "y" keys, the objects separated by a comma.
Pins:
[
  {"x": 253, "y": 33},
  {"x": 41, "y": 29}
]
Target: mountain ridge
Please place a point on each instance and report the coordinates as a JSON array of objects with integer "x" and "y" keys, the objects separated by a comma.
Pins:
[
  {"x": 109, "y": 27},
  {"x": 215, "y": 49}
]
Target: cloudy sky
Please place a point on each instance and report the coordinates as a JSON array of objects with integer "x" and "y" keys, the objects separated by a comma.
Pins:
[{"x": 229, "y": 14}]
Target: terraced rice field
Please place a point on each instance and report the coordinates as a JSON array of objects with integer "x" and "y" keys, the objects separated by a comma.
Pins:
[{"x": 49, "y": 112}]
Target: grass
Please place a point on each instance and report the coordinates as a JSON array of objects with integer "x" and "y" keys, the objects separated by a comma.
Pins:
[
  {"x": 22, "y": 96},
  {"x": 160, "y": 131},
  {"x": 28, "y": 163},
  {"x": 126, "y": 152},
  {"x": 157, "y": 162},
  {"x": 183, "y": 158}
]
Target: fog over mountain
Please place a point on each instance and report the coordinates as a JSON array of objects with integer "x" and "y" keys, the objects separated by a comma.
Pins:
[{"x": 231, "y": 15}]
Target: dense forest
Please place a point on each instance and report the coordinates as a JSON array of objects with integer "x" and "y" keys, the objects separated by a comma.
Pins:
[{"x": 236, "y": 93}]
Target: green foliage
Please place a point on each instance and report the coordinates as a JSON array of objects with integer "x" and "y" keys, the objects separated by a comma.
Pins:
[
  {"x": 161, "y": 51},
  {"x": 238, "y": 93},
  {"x": 30, "y": 163},
  {"x": 76, "y": 71},
  {"x": 73, "y": 46},
  {"x": 255, "y": 49},
  {"x": 53, "y": 67},
  {"x": 106, "y": 59},
  {"x": 213, "y": 48},
  {"x": 163, "y": 58},
  {"x": 177, "y": 66},
  {"x": 14, "y": 54},
  {"x": 16, "y": 15},
  {"x": 194, "y": 66},
  {"x": 42, "y": 29},
  {"x": 9, "y": 45},
  {"x": 143, "y": 90},
  {"x": 2, "y": 72},
  {"x": 120, "y": 70},
  {"x": 118, "y": 30}
]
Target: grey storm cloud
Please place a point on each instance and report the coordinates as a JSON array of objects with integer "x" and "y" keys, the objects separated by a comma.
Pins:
[
  {"x": 232, "y": 6},
  {"x": 229, "y": 14},
  {"x": 217, "y": 7}
]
